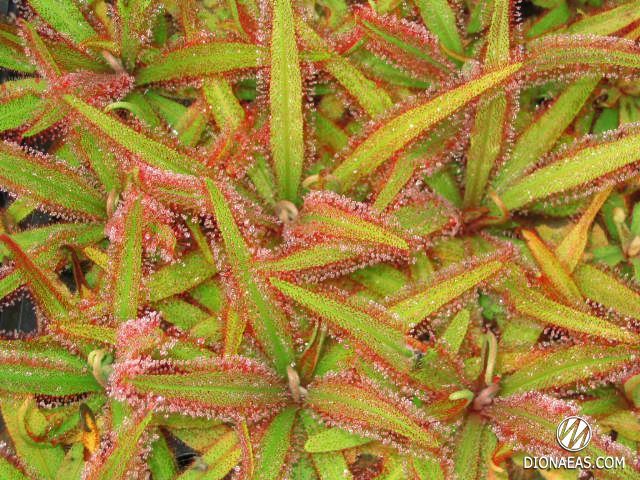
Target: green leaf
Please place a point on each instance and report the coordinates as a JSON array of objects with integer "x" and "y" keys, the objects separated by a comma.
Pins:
[
  {"x": 310, "y": 257},
  {"x": 328, "y": 215},
  {"x": 571, "y": 248},
  {"x": 416, "y": 305},
  {"x": 546, "y": 369},
  {"x": 332, "y": 440},
  {"x": 359, "y": 405},
  {"x": 486, "y": 142},
  {"x": 102, "y": 161},
  {"x": 553, "y": 52},
  {"x": 607, "y": 290},
  {"x": 49, "y": 183},
  {"x": 275, "y": 445},
  {"x": 474, "y": 448},
  {"x": 440, "y": 19},
  {"x": 64, "y": 16},
  {"x": 457, "y": 330},
  {"x": 198, "y": 60},
  {"x": 125, "y": 253},
  {"x": 225, "y": 107},
  {"x": 218, "y": 459},
  {"x": 151, "y": 151},
  {"x": 540, "y": 136},
  {"x": 427, "y": 469},
  {"x": 192, "y": 269},
  {"x": 12, "y": 56},
  {"x": 553, "y": 271},
  {"x": 379, "y": 338},
  {"x": 161, "y": 460},
  {"x": 44, "y": 369},
  {"x": 533, "y": 304},
  {"x": 18, "y": 108},
  {"x": 554, "y": 18},
  {"x": 117, "y": 459},
  {"x": 285, "y": 102},
  {"x": 47, "y": 240},
  {"x": 226, "y": 388},
  {"x": 73, "y": 463},
  {"x": 580, "y": 166},
  {"x": 395, "y": 133},
  {"x": 608, "y": 21},
  {"x": 266, "y": 318},
  {"x": 373, "y": 99},
  {"x": 11, "y": 469}
]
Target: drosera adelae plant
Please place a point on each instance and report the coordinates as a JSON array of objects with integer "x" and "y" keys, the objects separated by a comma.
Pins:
[{"x": 319, "y": 240}]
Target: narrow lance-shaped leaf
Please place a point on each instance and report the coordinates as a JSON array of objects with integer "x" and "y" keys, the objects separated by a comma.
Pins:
[
  {"x": 220, "y": 457},
  {"x": 19, "y": 102},
  {"x": 47, "y": 66},
  {"x": 490, "y": 122},
  {"x": 66, "y": 17},
  {"x": 329, "y": 464},
  {"x": 314, "y": 258},
  {"x": 126, "y": 257},
  {"x": 119, "y": 458},
  {"x": 332, "y": 440},
  {"x": 11, "y": 468},
  {"x": 49, "y": 183},
  {"x": 161, "y": 460},
  {"x": 608, "y": 21},
  {"x": 415, "y": 50},
  {"x": 231, "y": 387},
  {"x": 566, "y": 51},
  {"x": 378, "y": 338},
  {"x": 474, "y": 448},
  {"x": 328, "y": 215},
  {"x": 402, "y": 129},
  {"x": 285, "y": 101},
  {"x": 533, "y": 304},
  {"x": 152, "y": 152},
  {"x": 580, "y": 166},
  {"x": 539, "y": 137},
  {"x": 202, "y": 59},
  {"x": 567, "y": 366},
  {"x": 267, "y": 320},
  {"x": 571, "y": 248},
  {"x": 101, "y": 160},
  {"x": 373, "y": 99},
  {"x": 135, "y": 17},
  {"x": 12, "y": 55},
  {"x": 607, "y": 290},
  {"x": 193, "y": 269},
  {"x": 416, "y": 305},
  {"x": 41, "y": 369},
  {"x": 362, "y": 407},
  {"x": 553, "y": 271},
  {"x": 426, "y": 154},
  {"x": 440, "y": 18},
  {"x": 275, "y": 445},
  {"x": 47, "y": 240},
  {"x": 225, "y": 108}
]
